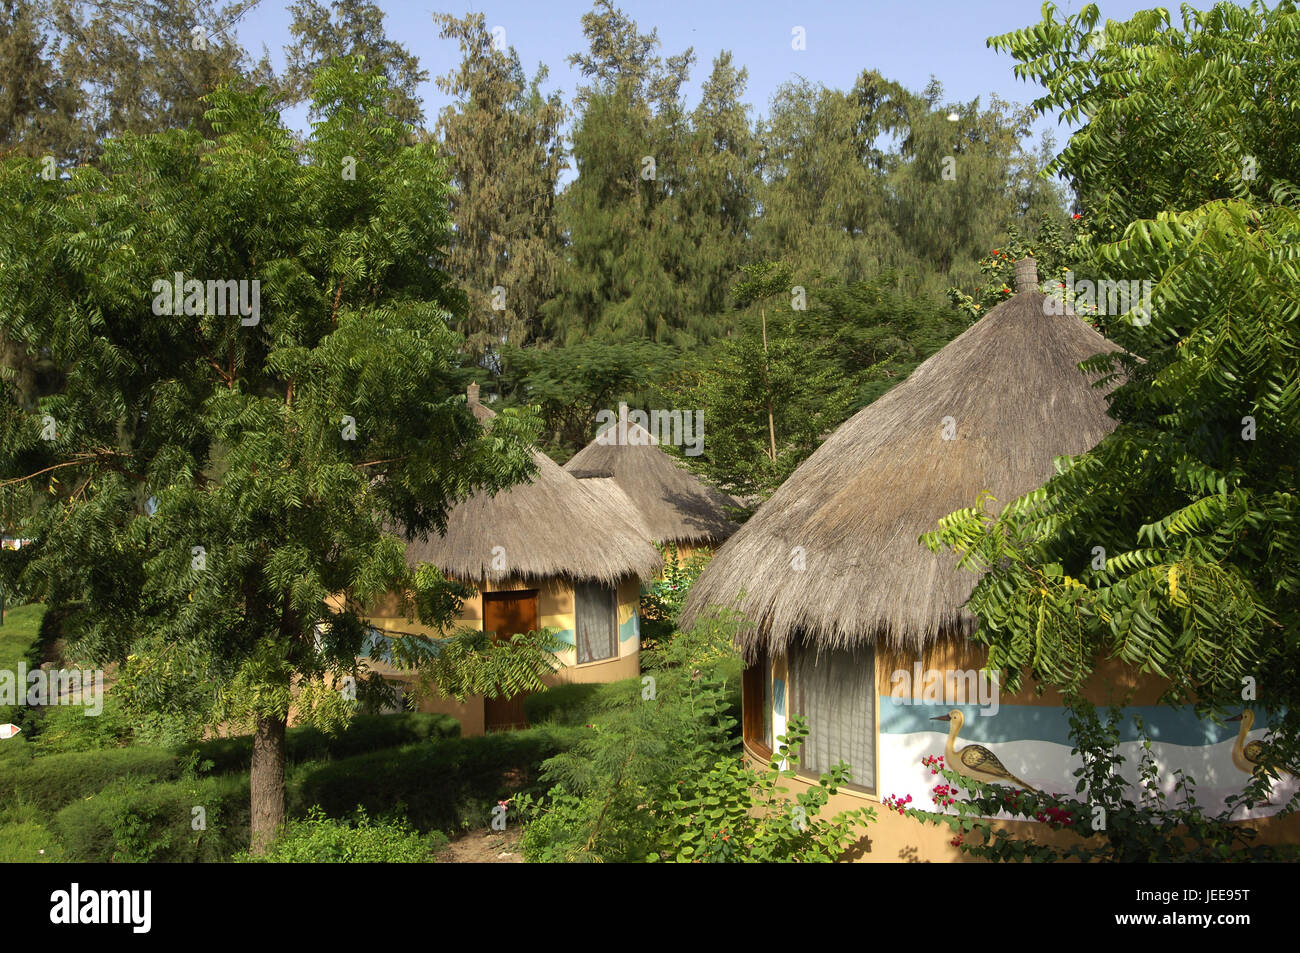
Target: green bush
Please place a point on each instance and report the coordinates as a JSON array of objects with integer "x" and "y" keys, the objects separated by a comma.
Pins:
[
  {"x": 571, "y": 704},
  {"x": 50, "y": 782},
  {"x": 26, "y": 836},
  {"x": 364, "y": 734},
  {"x": 137, "y": 821},
  {"x": 448, "y": 786},
  {"x": 318, "y": 839}
]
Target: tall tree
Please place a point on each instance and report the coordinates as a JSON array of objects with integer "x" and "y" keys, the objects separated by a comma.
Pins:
[
  {"x": 628, "y": 147},
  {"x": 144, "y": 67},
  {"x": 502, "y": 142},
  {"x": 218, "y": 469},
  {"x": 38, "y": 108},
  {"x": 322, "y": 32}
]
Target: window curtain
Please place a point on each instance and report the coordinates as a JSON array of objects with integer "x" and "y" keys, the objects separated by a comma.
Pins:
[
  {"x": 596, "y": 621},
  {"x": 835, "y": 692}
]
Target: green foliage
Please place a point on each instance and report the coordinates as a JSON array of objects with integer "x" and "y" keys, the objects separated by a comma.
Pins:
[
  {"x": 363, "y": 734},
  {"x": 662, "y": 599},
  {"x": 135, "y": 821},
  {"x": 734, "y": 814},
  {"x": 609, "y": 791},
  {"x": 575, "y": 703},
  {"x": 48, "y": 783},
  {"x": 1113, "y": 822},
  {"x": 570, "y": 385},
  {"x": 1168, "y": 117},
  {"x": 448, "y": 786},
  {"x": 317, "y": 839},
  {"x": 1054, "y": 253},
  {"x": 501, "y": 137},
  {"x": 769, "y": 394},
  {"x": 341, "y": 28}
]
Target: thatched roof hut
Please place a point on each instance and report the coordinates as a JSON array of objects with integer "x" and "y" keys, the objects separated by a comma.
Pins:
[
  {"x": 551, "y": 526},
  {"x": 1008, "y": 395},
  {"x": 674, "y": 505}
]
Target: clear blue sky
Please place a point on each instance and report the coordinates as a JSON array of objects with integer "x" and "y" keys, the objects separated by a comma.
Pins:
[{"x": 906, "y": 41}]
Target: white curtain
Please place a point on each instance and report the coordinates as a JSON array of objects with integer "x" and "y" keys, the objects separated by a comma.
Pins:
[
  {"x": 596, "y": 621},
  {"x": 835, "y": 692}
]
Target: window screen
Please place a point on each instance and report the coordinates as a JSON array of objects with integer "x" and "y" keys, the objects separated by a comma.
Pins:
[
  {"x": 835, "y": 692},
  {"x": 596, "y": 619}
]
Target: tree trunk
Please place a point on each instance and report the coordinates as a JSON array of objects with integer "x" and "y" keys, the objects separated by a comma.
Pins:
[{"x": 266, "y": 781}]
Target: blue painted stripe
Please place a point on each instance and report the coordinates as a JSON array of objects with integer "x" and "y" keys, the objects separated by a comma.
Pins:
[
  {"x": 631, "y": 629},
  {"x": 1178, "y": 726},
  {"x": 567, "y": 637}
]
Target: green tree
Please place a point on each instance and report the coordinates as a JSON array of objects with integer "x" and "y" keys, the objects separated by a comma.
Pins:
[
  {"x": 325, "y": 31},
  {"x": 1169, "y": 116},
  {"x": 770, "y": 393},
  {"x": 214, "y": 481},
  {"x": 620, "y": 278},
  {"x": 570, "y": 385},
  {"x": 502, "y": 142},
  {"x": 145, "y": 67},
  {"x": 38, "y": 109}
]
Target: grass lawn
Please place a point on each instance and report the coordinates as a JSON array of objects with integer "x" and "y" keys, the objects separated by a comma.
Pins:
[{"x": 18, "y": 633}]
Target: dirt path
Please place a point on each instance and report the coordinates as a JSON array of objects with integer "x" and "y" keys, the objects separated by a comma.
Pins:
[{"x": 483, "y": 847}]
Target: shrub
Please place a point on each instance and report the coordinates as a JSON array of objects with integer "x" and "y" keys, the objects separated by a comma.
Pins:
[
  {"x": 137, "y": 821},
  {"x": 735, "y": 814},
  {"x": 50, "y": 782},
  {"x": 574, "y": 704},
  {"x": 318, "y": 839},
  {"x": 26, "y": 837},
  {"x": 364, "y": 734},
  {"x": 451, "y": 785}
]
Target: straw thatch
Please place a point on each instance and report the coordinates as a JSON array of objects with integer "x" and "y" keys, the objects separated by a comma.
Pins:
[
  {"x": 858, "y": 505},
  {"x": 550, "y": 526},
  {"x": 674, "y": 505}
]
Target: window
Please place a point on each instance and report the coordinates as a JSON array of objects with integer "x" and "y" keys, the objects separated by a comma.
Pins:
[
  {"x": 835, "y": 692},
  {"x": 756, "y": 703},
  {"x": 596, "y": 621}
]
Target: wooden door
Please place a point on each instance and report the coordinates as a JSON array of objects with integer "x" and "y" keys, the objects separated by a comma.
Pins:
[{"x": 506, "y": 614}]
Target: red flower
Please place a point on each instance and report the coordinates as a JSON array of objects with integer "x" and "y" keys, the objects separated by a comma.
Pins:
[{"x": 1077, "y": 215}]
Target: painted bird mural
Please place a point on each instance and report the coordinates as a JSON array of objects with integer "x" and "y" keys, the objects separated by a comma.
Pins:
[
  {"x": 975, "y": 761},
  {"x": 1248, "y": 756}
]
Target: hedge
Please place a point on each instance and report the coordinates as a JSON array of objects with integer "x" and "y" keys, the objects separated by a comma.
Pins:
[
  {"x": 48, "y": 783},
  {"x": 364, "y": 734},
  {"x": 134, "y": 821},
  {"x": 442, "y": 787}
]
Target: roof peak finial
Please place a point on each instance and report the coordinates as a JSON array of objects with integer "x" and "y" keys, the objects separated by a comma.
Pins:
[
  {"x": 1026, "y": 275},
  {"x": 471, "y": 393}
]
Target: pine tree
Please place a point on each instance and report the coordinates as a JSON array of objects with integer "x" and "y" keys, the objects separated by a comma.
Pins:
[
  {"x": 144, "y": 67},
  {"x": 502, "y": 142}
]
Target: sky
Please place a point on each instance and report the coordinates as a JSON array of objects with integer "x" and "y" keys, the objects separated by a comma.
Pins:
[{"x": 905, "y": 41}]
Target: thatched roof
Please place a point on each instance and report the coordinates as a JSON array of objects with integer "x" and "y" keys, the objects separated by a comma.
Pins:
[
  {"x": 550, "y": 526},
  {"x": 674, "y": 504},
  {"x": 857, "y": 506}
]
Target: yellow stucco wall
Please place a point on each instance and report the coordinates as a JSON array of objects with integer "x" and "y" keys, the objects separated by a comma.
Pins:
[{"x": 556, "y": 609}]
